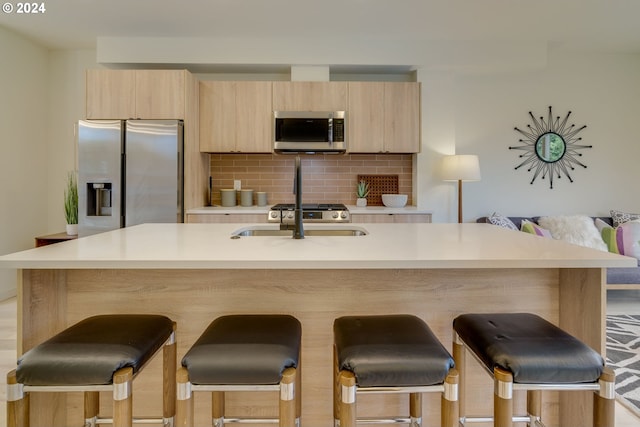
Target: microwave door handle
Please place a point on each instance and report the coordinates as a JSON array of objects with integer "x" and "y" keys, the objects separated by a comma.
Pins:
[{"x": 331, "y": 129}]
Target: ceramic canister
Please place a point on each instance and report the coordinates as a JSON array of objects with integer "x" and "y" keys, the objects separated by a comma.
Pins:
[
  {"x": 261, "y": 198},
  {"x": 228, "y": 197},
  {"x": 246, "y": 197}
]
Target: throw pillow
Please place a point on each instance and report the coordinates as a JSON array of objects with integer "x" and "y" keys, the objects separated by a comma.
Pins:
[
  {"x": 622, "y": 217},
  {"x": 502, "y": 221},
  {"x": 576, "y": 229},
  {"x": 601, "y": 225},
  {"x": 624, "y": 239},
  {"x": 608, "y": 234},
  {"x": 533, "y": 228}
]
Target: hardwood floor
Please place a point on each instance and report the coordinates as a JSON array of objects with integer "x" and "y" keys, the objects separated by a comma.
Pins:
[{"x": 619, "y": 302}]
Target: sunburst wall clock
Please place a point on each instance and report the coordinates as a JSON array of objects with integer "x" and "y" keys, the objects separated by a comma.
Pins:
[{"x": 550, "y": 147}]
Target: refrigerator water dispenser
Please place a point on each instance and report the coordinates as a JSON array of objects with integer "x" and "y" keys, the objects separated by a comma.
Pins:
[{"x": 99, "y": 199}]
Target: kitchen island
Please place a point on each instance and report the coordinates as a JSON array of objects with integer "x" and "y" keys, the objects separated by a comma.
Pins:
[{"x": 196, "y": 272}]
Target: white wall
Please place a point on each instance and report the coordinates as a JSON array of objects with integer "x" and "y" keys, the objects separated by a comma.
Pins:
[
  {"x": 42, "y": 98},
  {"x": 479, "y": 112},
  {"x": 23, "y": 148}
]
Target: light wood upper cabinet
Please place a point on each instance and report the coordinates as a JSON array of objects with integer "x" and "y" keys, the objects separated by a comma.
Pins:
[
  {"x": 110, "y": 94},
  {"x": 137, "y": 94},
  {"x": 402, "y": 117},
  {"x": 217, "y": 116},
  {"x": 160, "y": 94},
  {"x": 384, "y": 117},
  {"x": 235, "y": 117},
  {"x": 309, "y": 96},
  {"x": 365, "y": 118}
]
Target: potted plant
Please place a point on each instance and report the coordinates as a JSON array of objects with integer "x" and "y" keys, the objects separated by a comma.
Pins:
[
  {"x": 362, "y": 190},
  {"x": 71, "y": 203}
]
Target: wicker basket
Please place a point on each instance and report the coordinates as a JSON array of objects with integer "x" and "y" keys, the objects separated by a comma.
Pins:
[{"x": 379, "y": 185}]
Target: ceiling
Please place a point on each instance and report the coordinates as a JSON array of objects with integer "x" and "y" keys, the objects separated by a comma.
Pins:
[{"x": 605, "y": 25}]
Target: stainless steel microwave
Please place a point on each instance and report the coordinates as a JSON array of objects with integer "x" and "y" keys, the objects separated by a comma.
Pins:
[{"x": 309, "y": 132}]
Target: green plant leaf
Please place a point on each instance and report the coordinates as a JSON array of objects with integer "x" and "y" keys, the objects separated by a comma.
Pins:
[{"x": 71, "y": 198}]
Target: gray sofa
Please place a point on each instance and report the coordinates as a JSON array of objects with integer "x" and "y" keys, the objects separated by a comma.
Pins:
[{"x": 617, "y": 278}]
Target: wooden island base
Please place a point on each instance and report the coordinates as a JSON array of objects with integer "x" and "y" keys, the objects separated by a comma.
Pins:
[{"x": 50, "y": 300}]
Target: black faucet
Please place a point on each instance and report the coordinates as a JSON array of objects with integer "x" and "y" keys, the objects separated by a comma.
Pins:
[{"x": 298, "y": 230}]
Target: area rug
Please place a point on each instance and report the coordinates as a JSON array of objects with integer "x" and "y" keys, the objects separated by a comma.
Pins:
[{"x": 623, "y": 355}]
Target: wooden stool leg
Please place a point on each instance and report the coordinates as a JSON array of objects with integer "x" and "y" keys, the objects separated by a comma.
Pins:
[
  {"x": 169, "y": 357},
  {"x": 122, "y": 401},
  {"x": 415, "y": 409},
  {"x": 336, "y": 390},
  {"x": 503, "y": 398},
  {"x": 91, "y": 407},
  {"x": 449, "y": 405},
  {"x": 604, "y": 400},
  {"x": 17, "y": 403},
  {"x": 184, "y": 399},
  {"x": 534, "y": 404},
  {"x": 298, "y": 391},
  {"x": 347, "y": 394},
  {"x": 459, "y": 355},
  {"x": 217, "y": 408},
  {"x": 288, "y": 398}
]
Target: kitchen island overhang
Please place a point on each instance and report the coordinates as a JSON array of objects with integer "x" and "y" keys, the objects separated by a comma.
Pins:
[{"x": 195, "y": 272}]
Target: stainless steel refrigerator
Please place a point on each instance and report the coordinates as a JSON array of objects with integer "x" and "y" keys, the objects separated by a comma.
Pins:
[{"x": 130, "y": 172}]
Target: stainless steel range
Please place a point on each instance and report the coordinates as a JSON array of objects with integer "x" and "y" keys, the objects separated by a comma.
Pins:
[{"x": 316, "y": 212}]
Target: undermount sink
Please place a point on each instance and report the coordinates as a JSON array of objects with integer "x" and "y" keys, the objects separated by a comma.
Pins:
[{"x": 259, "y": 230}]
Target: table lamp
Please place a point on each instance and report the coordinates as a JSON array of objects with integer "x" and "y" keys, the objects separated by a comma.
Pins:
[{"x": 460, "y": 167}]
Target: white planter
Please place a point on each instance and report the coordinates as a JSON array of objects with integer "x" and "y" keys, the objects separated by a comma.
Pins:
[
  {"x": 72, "y": 229},
  {"x": 361, "y": 202}
]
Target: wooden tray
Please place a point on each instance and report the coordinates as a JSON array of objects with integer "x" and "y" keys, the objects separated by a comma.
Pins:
[{"x": 379, "y": 185}]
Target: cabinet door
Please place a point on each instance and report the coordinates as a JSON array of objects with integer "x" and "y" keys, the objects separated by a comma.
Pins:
[
  {"x": 415, "y": 218},
  {"x": 226, "y": 218},
  {"x": 402, "y": 117},
  {"x": 160, "y": 94},
  {"x": 371, "y": 218},
  {"x": 254, "y": 117},
  {"x": 310, "y": 96},
  {"x": 217, "y": 116},
  {"x": 365, "y": 117},
  {"x": 110, "y": 94}
]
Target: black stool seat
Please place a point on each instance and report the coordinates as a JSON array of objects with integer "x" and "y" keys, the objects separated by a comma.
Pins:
[
  {"x": 245, "y": 349},
  {"x": 91, "y": 351},
  {"x": 392, "y": 350},
  {"x": 532, "y": 349}
]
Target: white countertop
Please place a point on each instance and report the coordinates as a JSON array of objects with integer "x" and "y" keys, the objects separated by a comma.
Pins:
[
  {"x": 371, "y": 210},
  {"x": 210, "y": 246}
]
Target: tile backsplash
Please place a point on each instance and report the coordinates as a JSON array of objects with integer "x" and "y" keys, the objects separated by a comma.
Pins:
[{"x": 325, "y": 177}]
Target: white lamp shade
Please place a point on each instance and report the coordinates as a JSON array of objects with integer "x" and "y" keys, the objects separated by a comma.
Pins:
[{"x": 461, "y": 167}]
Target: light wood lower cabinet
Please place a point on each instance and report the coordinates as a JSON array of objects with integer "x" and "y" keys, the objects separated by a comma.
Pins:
[
  {"x": 390, "y": 218},
  {"x": 226, "y": 218},
  {"x": 219, "y": 218}
]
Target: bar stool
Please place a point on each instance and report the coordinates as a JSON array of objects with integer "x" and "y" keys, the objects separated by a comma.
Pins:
[
  {"x": 243, "y": 353},
  {"x": 391, "y": 354},
  {"x": 100, "y": 353},
  {"x": 522, "y": 351}
]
